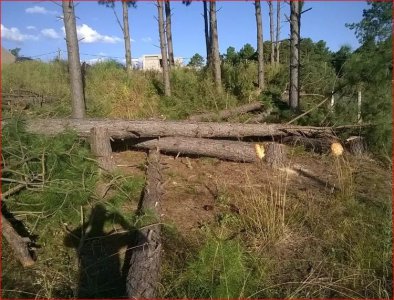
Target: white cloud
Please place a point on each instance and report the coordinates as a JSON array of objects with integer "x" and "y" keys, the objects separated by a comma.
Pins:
[
  {"x": 39, "y": 10},
  {"x": 50, "y": 33},
  {"x": 147, "y": 39},
  {"x": 31, "y": 27},
  {"x": 88, "y": 35},
  {"x": 14, "y": 34}
]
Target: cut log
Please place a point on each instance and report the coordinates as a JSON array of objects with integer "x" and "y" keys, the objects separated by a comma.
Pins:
[
  {"x": 17, "y": 243},
  {"x": 356, "y": 145},
  {"x": 225, "y": 150},
  {"x": 318, "y": 145},
  {"x": 121, "y": 129},
  {"x": 275, "y": 154},
  {"x": 100, "y": 145},
  {"x": 227, "y": 113},
  {"x": 143, "y": 276}
]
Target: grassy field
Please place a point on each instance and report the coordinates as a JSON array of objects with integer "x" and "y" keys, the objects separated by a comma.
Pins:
[{"x": 266, "y": 233}]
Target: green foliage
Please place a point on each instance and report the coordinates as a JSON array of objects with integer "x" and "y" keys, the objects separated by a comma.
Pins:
[
  {"x": 220, "y": 270},
  {"x": 240, "y": 79},
  {"x": 376, "y": 24},
  {"x": 193, "y": 91},
  {"x": 196, "y": 61},
  {"x": 247, "y": 52},
  {"x": 63, "y": 168}
]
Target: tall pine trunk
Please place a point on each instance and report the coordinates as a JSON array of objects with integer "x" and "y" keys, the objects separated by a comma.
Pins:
[
  {"x": 207, "y": 37},
  {"x": 260, "y": 48},
  {"x": 169, "y": 33},
  {"x": 74, "y": 63},
  {"x": 215, "y": 46},
  {"x": 271, "y": 14},
  {"x": 294, "y": 93},
  {"x": 163, "y": 47},
  {"x": 277, "y": 42},
  {"x": 126, "y": 35}
]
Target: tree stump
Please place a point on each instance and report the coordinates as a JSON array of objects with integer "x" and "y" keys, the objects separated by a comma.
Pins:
[
  {"x": 275, "y": 154},
  {"x": 356, "y": 145},
  {"x": 100, "y": 145},
  {"x": 145, "y": 262}
]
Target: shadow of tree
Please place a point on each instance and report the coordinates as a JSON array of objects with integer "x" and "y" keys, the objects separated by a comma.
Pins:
[{"x": 104, "y": 257}]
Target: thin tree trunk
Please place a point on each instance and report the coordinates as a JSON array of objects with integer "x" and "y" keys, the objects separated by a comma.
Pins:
[
  {"x": 277, "y": 43},
  {"x": 163, "y": 47},
  {"x": 260, "y": 44},
  {"x": 145, "y": 263},
  {"x": 126, "y": 34},
  {"x": 207, "y": 30},
  {"x": 169, "y": 33},
  {"x": 294, "y": 93},
  {"x": 271, "y": 14},
  {"x": 215, "y": 46},
  {"x": 74, "y": 63}
]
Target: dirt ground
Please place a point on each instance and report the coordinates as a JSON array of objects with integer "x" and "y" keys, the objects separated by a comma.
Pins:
[{"x": 193, "y": 187}]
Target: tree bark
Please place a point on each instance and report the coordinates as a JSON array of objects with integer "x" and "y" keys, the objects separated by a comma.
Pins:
[
  {"x": 120, "y": 129},
  {"x": 169, "y": 33},
  {"x": 227, "y": 113},
  {"x": 277, "y": 42},
  {"x": 318, "y": 145},
  {"x": 207, "y": 30},
  {"x": 294, "y": 92},
  {"x": 260, "y": 48},
  {"x": 356, "y": 145},
  {"x": 74, "y": 63},
  {"x": 126, "y": 34},
  {"x": 275, "y": 154},
  {"x": 215, "y": 46},
  {"x": 271, "y": 14},
  {"x": 100, "y": 145},
  {"x": 17, "y": 243},
  {"x": 163, "y": 47},
  {"x": 225, "y": 150},
  {"x": 143, "y": 277}
]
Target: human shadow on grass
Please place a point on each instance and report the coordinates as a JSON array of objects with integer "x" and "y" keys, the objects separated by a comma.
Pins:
[{"x": 104, "y": 257}]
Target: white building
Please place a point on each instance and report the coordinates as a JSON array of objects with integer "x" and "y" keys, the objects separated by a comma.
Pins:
[{"x": 154, "y": 62}]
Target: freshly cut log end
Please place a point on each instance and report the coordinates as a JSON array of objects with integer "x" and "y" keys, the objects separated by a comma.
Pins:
[
  {"x": 336, "y": 149},
  {"x": 101, "y": 148},
  {"x": 356, "y": 145},
  {"x": 145, "y": 262},
  {"x": 275, "y": 154}
]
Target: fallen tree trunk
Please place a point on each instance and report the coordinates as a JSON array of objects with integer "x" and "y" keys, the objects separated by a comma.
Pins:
[
  {"x": 145, "y": 262},
  {"x": 226, "y": 150},
  {"x": 17, "y": 243},
  {"x": 318, "y": 145},
  {"x": 121, "y": 129},
  {"x": 227, "y": 113}
]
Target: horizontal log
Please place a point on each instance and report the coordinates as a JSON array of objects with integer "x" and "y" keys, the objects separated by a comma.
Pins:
[
  {"x": 17, "y": 243},
  {"x": 121, "y": 129},
  {"x": 227, "y": 113},
  {"x": 225, "y": 150}
]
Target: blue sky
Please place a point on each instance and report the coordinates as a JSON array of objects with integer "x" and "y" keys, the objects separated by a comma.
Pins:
[{"x": 35, "y": 27}]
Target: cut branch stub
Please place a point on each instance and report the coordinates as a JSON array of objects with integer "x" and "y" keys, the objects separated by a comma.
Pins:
[{"x": 101, "y": 148}]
